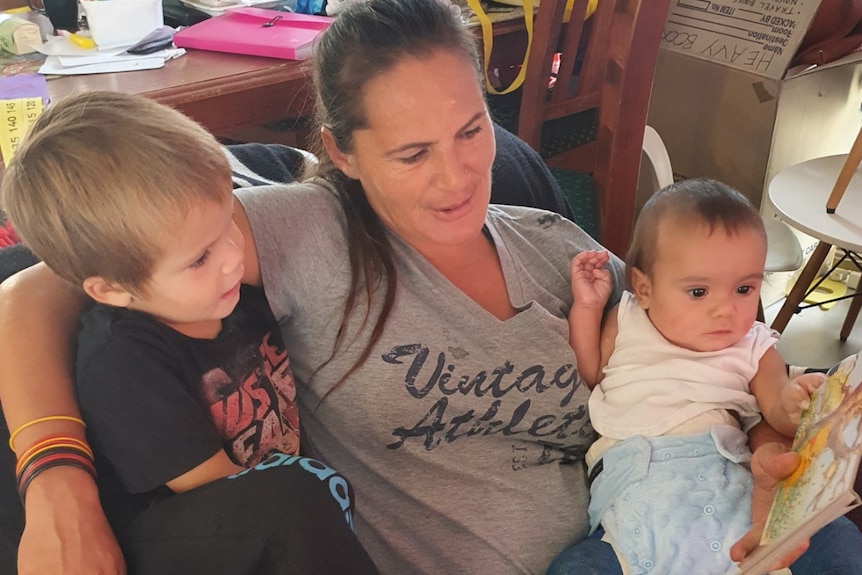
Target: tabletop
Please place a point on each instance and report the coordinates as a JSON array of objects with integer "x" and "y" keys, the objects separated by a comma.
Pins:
[
  {"x": 221, "y": 91},
  {"x": 228, "y": 92},
  {"x": 799, "y": 195}
]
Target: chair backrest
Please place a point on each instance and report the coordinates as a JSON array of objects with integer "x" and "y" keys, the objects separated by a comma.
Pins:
[{"x": 607, "y": 64}]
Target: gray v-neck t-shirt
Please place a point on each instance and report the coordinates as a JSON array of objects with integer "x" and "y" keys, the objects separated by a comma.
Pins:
[{"x": 462, "y": 435}]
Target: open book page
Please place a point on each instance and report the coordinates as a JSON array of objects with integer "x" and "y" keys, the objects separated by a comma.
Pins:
[{"x": 829, "y": 442}]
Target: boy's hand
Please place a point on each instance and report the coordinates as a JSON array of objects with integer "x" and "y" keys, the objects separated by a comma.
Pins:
[
  {"x": 591, "y": 280},
  {"x": 796, "y": 394}
]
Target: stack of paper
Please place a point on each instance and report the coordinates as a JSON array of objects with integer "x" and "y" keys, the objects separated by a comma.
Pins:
[{"x": 66, "y": 58}]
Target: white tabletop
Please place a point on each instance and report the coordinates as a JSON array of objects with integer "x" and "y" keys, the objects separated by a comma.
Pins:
[{"x": 799, "y": 195}]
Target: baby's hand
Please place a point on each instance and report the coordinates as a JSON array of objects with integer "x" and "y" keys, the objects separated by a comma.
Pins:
[
  {"x": 796, "y": 395},
  {"x": 591, "y": 281}
]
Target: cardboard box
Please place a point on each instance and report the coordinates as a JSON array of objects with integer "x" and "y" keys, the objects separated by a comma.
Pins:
[{"x": 729, "y": 107}]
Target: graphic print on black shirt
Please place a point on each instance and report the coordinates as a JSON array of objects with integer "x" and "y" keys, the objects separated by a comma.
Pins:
[{"x": 252, "y": 401}]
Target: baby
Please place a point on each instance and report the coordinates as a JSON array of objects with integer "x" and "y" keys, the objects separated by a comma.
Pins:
[{"x": 674, "y": 369}]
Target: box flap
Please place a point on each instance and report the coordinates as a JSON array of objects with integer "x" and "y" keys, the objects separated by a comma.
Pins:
[{"x": 757, "y": 36}]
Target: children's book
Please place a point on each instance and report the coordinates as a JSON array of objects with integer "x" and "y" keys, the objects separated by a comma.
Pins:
[{"x": 829, "y": 443}]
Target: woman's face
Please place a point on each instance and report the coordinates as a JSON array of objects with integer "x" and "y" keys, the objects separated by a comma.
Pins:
[{"x": 425, "y": 157}]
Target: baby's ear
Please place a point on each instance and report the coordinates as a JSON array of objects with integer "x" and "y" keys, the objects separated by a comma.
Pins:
[
  {"x": 642, "y": 287},
  {"x": 106, "y": 292}
]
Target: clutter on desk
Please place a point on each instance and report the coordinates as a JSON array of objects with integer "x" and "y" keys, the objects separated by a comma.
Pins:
[
  {"x": 256, "y": 31},
  {"x": 65, "y": 57}
]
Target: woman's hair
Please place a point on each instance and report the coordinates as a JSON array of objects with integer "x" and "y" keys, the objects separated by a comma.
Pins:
[
  {"x": 101, "y": 178},
  {"x": 368, "y": 39},
  {"x": 688, "y": 204}
]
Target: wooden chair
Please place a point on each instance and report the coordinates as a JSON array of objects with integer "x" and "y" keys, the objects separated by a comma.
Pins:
[{"x": 604, "y": 82}]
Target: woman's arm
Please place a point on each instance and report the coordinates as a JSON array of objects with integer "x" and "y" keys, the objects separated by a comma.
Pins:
[
  {"x": 65, "y": 530},
  {"x": 38, "y": 316}
]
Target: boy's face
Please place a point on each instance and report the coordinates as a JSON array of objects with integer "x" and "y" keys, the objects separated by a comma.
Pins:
[
  {"x": 704, "y": 288},
  {"x": 196, "y": 282}
]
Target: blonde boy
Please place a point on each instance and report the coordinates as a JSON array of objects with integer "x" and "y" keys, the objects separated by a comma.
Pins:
[{"x": 181, "y": 381}]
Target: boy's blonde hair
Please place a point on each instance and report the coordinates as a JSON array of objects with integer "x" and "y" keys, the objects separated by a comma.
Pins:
[
  {"x": 685, "y": 204},
  {"x": 103, "y": 180}
]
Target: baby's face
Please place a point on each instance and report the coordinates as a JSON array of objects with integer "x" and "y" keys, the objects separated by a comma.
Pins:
[{"x": 704, "y": 288}]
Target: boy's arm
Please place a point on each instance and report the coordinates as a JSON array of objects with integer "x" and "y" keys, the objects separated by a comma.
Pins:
[
  {"x": 781, "y": 400},
  {"x": 216, "y": 467}
]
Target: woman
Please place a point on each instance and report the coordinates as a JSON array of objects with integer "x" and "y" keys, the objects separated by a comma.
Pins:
[{"x": 427, "y": 329}]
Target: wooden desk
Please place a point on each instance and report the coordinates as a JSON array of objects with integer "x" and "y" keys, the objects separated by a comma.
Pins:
[
  {"x": 224, "y": 92},
  {"x": 230, "y": 92}
]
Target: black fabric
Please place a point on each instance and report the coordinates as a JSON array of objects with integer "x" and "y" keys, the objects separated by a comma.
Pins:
[
  {"x": 11, "y": 510},
  {"x": 15, "y": 258},
  {"x": 521, "y": 178},
  {"x": 290, "y": 515},
  {"x": 158, "y": 403},
  {"x": 260, "y": 164},
  {"x": 12, "y": 260}
]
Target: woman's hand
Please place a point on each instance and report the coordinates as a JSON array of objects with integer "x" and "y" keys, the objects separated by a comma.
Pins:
[
  {"x": 66, "y": 531},
  {"x": 770, "y": 463}
]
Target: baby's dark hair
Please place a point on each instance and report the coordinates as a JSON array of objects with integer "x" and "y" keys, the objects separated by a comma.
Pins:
[{"x": 686, "y": 204}]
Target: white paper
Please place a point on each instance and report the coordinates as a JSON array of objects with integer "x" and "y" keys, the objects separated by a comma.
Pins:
[
  {"x": 122, "y": 22},
  {"x": 52, "y": 65},
  {"x": 73, "y": 61},
  {"x": 61, "y": 46}
]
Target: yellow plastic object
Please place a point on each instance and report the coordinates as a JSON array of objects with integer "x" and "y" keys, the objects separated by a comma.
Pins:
[
  {"x": 79, "y": 40},
  {"x": 827, "y": 290}
]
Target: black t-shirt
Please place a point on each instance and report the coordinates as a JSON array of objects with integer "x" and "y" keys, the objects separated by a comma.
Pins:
[{"x": 158, "y": 403}]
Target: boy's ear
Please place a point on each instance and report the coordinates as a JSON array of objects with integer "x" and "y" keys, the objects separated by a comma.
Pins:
[
  {"x": 105, "y": 292},
  {"x": 642, "y": 287},
  {"x": 342, "y": 160}
]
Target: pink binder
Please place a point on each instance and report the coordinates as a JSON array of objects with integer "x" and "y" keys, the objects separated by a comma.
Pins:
[{"x": 256, "y": 31}]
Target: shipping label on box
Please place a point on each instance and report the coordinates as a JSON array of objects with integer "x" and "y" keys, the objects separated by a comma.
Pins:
[{"x": 757, "y": 36}]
